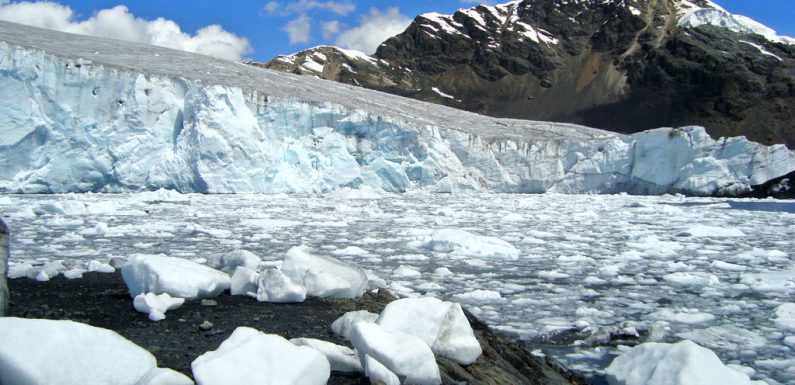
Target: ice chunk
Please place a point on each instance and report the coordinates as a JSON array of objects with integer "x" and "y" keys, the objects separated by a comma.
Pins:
[
  {"x": 479, "y": 295},
  {"x": 785, "y": 317},
  {"x": 692, "y": 279},
  {"x": 405, "y": 355},
  {"x": 683, "y": 363},
  {"x": 725, "y": 337},
  {"x": 65, "y": 353},
  {"x": 178, "y": 277},
  {"x": 685, "y": 316},
  {"x": 441, "y": 325},
  {"x": 342, "y": 358},
  {"x": 230, "y": 261},
  {"x": 770, "y": 281},
  {"x": 74, "y": 273},
  {"x": 712, "y": 232},
  {"x": 164, "y": 376},
  {"x": 378, "y": 373},
  {"x": 468, "y": 244},
  {"x": 324, "y": 276},
  {"x": 344, "y": 325},
  {"x": 156, "y": 305},
  {"x": 249, "y": 356},
  {"x": 99, "y": 267},
  {"x": 244, "y": 282},
  {"x": 275, "y": 286}
]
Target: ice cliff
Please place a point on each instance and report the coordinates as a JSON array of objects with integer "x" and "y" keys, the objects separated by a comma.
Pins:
[{"x": 89, "y": 114}]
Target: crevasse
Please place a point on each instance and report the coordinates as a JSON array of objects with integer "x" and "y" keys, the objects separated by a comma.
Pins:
[{"x": 73, "y": 125}]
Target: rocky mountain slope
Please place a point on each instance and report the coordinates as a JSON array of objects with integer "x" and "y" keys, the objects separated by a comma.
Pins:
[{"x": 620, "y": 65}]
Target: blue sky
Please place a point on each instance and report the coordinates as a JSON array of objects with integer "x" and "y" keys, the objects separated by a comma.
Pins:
[{"x": 273, "y": 27}]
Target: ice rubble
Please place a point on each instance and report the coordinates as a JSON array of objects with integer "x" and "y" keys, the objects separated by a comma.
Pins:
[
  {"x": 682, "y": 363},
  {"x": 100, "y": 115},
  {"x": 39, "y": 352}
]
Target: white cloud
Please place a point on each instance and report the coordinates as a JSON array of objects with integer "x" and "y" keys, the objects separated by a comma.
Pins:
[
  {"x": 341, "y": 8},
  {"x": 299, "y": 29},
  {"x": 272, "y": 6},
  {"x": 374, "y": 28},
  {"x": 119, "y": 23},
  {"x": 331, "y": 29}
]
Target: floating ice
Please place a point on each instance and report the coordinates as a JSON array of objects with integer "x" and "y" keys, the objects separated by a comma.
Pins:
[
  {"x": 685, "y": 316},
  {"x": 323, "y": 276},
  {"x": 177, "y": 277},
  {"x": 344, "y": 325},
  {"x": 342, "y": 358},
  {"x": 479, "y": 295},
  {"x": 156, "y": 305},
  {"x": 405, "y": 355},
  {"x": 712, "y": 231},
  {"x": 465, "y": 243},
  {"x": 275, "y": 286},
  {"x": 785, "y": 317},
  {"x": 683, "y": 363},
  {"x": 441, "y": 325},
  {"x": 66, "y": 353},
  {"x": 249, "y": 356},
  {"x": 725, "y": 337},
  {"x": 692, "y": 279}
]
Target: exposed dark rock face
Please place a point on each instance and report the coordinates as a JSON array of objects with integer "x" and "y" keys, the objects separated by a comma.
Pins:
[
  {"x": 4, "y": 252},
  {"x": 102, "y": 300},
  {"x": 624, "y": 66}
]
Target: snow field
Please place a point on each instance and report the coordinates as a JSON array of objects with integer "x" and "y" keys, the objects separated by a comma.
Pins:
[{"x": 590, "y": 263}]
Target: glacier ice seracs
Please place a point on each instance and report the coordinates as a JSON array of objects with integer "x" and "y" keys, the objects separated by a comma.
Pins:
[{"x": 90, "y": 114}]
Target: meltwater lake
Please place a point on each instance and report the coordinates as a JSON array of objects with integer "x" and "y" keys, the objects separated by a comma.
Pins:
[{"x": 567, "y": 273}]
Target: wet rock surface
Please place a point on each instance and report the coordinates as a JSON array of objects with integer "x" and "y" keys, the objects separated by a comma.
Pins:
[{"x": 102, "y": 300}]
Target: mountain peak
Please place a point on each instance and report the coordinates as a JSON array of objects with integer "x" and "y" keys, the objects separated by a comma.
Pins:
[{"x": 620, "y": 65}]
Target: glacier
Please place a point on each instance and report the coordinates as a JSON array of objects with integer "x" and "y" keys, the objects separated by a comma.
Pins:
[{"x": 86, "y": 114}]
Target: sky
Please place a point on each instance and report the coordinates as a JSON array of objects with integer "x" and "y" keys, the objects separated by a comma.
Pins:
[{"x": 260, "y": 30}]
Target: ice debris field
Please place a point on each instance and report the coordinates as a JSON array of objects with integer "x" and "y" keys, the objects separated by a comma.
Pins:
[{"x": 573, "y": 274}]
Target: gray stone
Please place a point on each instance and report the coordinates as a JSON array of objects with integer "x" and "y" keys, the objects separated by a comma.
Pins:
[{"x": 4, "y": 255}]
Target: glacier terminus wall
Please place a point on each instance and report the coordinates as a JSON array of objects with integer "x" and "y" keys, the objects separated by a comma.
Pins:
[{"x": 71, "y": 124}]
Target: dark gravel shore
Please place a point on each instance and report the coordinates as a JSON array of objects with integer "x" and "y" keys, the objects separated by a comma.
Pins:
[{"x": 102, "y": 300}]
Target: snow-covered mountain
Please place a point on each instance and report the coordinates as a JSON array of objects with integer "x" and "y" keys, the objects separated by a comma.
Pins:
[
  {"x": 619, "y": 65},
  {"x": 89, "y": 114}
]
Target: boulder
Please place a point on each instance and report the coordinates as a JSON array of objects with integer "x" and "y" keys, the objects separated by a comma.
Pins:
[
  {"x": 179, "y": 278},
  {"x": 251, "y": 357},
  {"x": 4, "y": 256}
]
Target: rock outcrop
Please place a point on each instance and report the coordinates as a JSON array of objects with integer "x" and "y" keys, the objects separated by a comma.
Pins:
[
  {"x": 4, "y": 255},
  {"x": 623, "y": 66}
]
